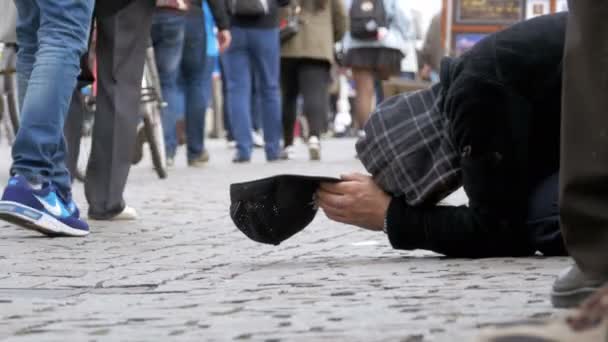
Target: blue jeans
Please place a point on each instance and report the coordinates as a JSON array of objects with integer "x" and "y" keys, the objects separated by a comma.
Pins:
[
  {"x": 52, "y": 36},
  {"x": 192, "y": 81},
  {"x": 254, "y": 51},
  {"x": 168, "y": 31},
  {"x": 180, "y": 44}
]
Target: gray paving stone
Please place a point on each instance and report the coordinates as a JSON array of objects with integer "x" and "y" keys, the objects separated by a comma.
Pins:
[{"x": 184, "y": 272}]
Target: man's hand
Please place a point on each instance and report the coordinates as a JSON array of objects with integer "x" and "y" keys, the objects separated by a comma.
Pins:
[
  {"x": 224, "y": 38},
  {"x": 357, "y": 200}
]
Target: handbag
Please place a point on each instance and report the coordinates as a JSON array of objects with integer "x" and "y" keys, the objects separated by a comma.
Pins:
[
  {"x": 248, "y": 8},
  {"x": 179, "y": 5},
  {"x": 290, "y": 26}
]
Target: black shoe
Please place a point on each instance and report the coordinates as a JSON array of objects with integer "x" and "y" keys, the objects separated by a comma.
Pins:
[
  {"x": 240, "y": 160},
  {"x": 573, "y": 286}
]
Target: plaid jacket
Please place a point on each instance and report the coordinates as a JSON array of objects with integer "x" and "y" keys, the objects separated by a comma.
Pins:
[{"x": 408, "y": 150}]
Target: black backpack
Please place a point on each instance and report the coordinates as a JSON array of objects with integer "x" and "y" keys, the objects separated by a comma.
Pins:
[
  {"x": 249, "y": 8},
  {"x": 367, "y": 17}
]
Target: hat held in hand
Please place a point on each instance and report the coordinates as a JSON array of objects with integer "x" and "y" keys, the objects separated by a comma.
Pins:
[{"x": 271, "y": 210}]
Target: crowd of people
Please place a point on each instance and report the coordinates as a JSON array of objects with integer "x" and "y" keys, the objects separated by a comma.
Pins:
[{"x": 493, "y": 123}]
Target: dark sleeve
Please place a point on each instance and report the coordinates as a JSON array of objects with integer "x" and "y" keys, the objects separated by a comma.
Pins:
[
  {"x": 220, "y": 14},
  {"x": 494, "y": 178}
]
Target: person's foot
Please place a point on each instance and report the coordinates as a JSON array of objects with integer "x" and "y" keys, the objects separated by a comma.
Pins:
[
  {"x": 200, "y": 161},
  {"x": 573, "y": 286},
  {"x": 127, "y": 214},
  {"x": 240, "y": 159},
  {"x": 258, "y": 139},
  {"x": 40, "y": 209},
  {"x": 314, "y": 148},
  {"x": 288, "y": 153},
  {"x": 170, "y": 162}
]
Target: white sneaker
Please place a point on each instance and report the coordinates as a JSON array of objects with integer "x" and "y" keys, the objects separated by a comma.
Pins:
[
  {"x": 258, "y": 139},
  {"x": 127, "y": 214},
  {"x": 314, "y": 148},
  {"x": 289, "y": 152}
]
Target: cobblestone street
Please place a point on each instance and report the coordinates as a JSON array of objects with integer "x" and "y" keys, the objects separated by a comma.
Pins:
[{"x": 184, "y": 272}]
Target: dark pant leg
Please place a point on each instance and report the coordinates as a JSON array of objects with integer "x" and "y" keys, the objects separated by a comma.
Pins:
[
  {"x": 73, "y": 131},
  {"x": 543, "y": 218},
  {"x": 122, "y": 40},
  {"x": 290, "y": 90},
  {"x": 314, "y": 86},
  {"x": 584, "y": 158}
]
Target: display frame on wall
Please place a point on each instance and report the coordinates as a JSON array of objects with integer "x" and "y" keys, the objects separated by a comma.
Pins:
[
  {"x": 464, "y": 41},
  {"x": 462, "y": 16}
]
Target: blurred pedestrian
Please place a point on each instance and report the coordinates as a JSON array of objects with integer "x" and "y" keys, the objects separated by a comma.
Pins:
[
  {"x": 52, "y": 36},
  {"x": 375, "y": 46},
  {"x": 255, "y": 49},
  {"x": 180, "y": 44},
  {"x": 306, "y": 61},
  {"x": 432, "y": 51}
]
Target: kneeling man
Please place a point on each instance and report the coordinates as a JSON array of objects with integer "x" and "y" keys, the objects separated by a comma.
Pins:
[{"x": 492, "y": 125}]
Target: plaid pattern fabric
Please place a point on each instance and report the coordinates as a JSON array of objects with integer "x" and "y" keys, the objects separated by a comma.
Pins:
[{"x": 407, "y": 148}]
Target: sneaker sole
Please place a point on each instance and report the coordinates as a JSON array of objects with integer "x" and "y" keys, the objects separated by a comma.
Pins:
[
  {"x": 571, "y": 299},
  {"x": 32, "y": 219}
]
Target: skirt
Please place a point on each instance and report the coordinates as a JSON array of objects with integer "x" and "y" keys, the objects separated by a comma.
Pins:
[{"x": 385, "y": 60}]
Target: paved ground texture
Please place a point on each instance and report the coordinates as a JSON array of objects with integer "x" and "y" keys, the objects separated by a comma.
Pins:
[{"x": 184, "y": 272}]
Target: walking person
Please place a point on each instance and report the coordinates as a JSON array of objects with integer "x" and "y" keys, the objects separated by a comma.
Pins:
[
  {"x": 180, "y": 44},
  {"x": 306, "y": 61},
  {"x": 376, "y": 53},
  {"x": 52, "y": 36},
  {"x": 255, "y": 49}
]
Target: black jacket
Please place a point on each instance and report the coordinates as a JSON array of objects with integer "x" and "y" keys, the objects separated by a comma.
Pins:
[
  {"x": 503, "y": 101},
  {"x": 108, "y": 7},
  {"x": 271, "y": 20}
]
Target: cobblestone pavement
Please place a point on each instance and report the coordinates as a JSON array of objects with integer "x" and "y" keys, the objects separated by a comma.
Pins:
[{"x": 184, "y": 272}]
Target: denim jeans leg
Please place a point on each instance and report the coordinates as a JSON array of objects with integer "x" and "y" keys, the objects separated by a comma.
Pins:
[
  {"x": 47, "y": 81},
  {"x": 27, "y": 35},
  {"x": 266, "y": 67},
  {"x": 193, "y": 70},
  {"x": 238, "y": 75},
  {"x": 168, "y": 30}
]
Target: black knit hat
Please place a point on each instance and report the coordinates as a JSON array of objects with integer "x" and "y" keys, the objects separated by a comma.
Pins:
[{"x": 271, "y": 210}]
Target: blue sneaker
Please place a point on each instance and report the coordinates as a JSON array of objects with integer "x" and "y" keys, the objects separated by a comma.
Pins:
[{"x": 41, "y": 210}]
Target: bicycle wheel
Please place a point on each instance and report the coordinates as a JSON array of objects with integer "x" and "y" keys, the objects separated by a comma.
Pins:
[
  {"x": 152, "y": 102},
  {"x": 156, "y": 141},
  {"x": 86, "y": 143}
]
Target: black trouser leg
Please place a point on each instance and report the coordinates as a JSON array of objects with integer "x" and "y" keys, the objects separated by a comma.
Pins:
[
  {"x": 313, "y": 77},
  {"x": 122, "y": 40},
  {"x": 289, "y": 88}
]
